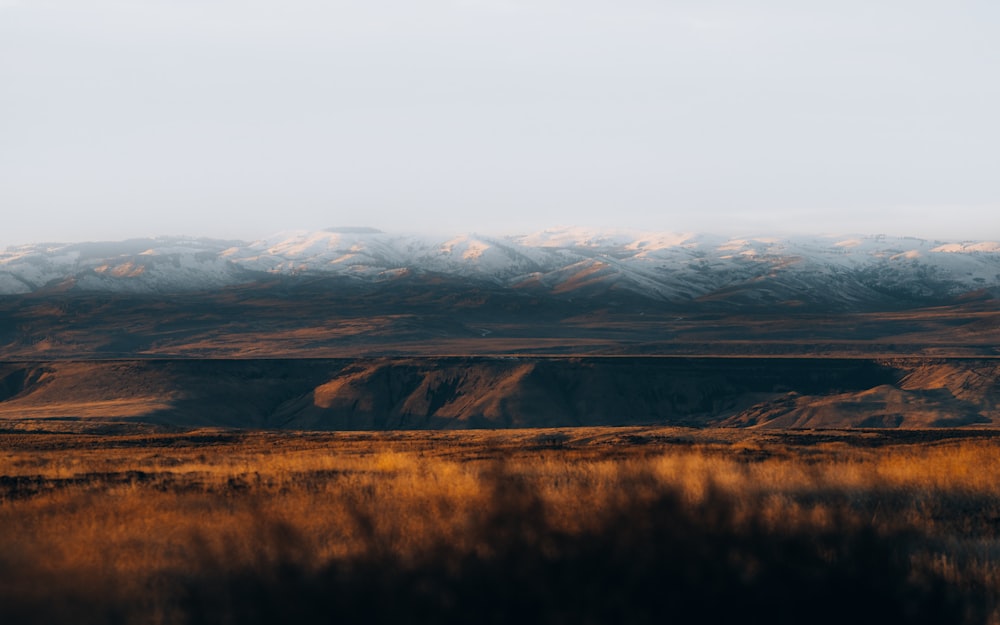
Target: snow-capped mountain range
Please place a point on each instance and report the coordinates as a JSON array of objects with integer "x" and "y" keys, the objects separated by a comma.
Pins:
[{"x": 662, "y": 266}]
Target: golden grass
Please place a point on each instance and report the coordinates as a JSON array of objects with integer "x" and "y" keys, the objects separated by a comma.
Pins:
[{"x": 124, "y": 517}]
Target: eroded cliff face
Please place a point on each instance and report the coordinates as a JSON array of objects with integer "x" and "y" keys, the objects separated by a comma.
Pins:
[{"x": 507, "y": 392}]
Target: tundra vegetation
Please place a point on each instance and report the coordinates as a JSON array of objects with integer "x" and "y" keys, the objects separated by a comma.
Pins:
[{"x": 136, "y": 524}]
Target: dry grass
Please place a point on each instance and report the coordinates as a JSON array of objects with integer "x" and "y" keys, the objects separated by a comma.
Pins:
[{"x": 213, "y": 526}]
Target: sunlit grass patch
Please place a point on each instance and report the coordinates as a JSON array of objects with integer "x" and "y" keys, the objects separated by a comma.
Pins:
[{"x": 605, "y": 526}]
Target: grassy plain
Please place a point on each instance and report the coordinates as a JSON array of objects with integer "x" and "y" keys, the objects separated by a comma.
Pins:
[{"x": 584, "y": 525}]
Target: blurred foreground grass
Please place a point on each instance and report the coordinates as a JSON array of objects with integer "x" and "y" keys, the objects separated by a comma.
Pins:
[{"x": 612, "y": 525}]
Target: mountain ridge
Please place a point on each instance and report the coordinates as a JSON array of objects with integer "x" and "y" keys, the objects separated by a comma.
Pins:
[{"x": 840, "y": 271}]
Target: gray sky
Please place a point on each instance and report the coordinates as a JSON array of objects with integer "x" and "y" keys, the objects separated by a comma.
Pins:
[{"x": 235, "y": 118}]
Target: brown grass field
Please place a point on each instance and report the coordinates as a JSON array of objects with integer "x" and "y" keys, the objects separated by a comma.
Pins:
[{"x": 585, "y": 525}]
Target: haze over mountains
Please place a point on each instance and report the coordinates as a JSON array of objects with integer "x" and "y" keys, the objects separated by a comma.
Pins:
[
  {"x": 353, "y": 328},
  {"x": 841, "y": 272}
]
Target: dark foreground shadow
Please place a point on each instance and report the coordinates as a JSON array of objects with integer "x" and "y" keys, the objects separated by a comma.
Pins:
[{"x": 653, "y": 559}]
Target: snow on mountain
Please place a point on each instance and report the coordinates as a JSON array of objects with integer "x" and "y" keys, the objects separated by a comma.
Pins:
[
  {"x": 989, "y": 247},
  {"x": 563, "y": 261},
  {"x": 138, "y": 265}
]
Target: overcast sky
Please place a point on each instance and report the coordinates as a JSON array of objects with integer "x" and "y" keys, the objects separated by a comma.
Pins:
[{"x": 242, "y": 118}]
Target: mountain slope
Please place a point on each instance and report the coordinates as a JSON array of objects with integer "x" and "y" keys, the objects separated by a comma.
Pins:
[{"x": 840, "y": 272}]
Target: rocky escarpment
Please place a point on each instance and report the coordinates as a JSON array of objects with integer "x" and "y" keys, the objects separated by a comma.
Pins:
[{"x": 503, "y": 392}]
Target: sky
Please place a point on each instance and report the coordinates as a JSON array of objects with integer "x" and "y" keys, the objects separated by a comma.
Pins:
[{"x": 238, "y": 119}]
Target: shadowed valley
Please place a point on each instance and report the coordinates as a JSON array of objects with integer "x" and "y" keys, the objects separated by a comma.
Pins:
[{"x": 501, "y": 392}]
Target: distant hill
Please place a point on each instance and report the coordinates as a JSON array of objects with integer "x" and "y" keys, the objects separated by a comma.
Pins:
[
  {"x": 358, "y": 292},
  {"x": 846, "y": 273}
]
